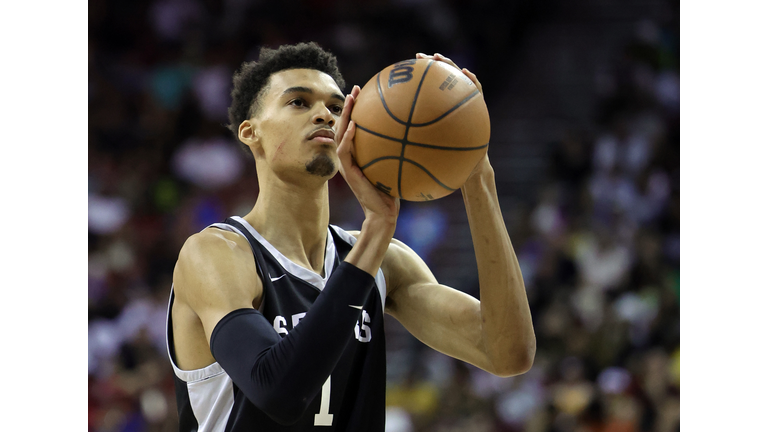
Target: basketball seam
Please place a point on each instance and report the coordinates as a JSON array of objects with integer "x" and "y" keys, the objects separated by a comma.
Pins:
[
  {"x": 405, "y": 142},
  {"x": 440, "y": 117},
  {"x": 455, "y": 107},
  {"x": 412, "y": 162},
  {"x": 407, "y": 127},
  {"x": 383, "y": 101},
  {"x": 417, "y": 144}
]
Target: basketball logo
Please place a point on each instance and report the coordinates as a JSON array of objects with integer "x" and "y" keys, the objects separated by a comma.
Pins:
[{"x": 401, "y": 73}]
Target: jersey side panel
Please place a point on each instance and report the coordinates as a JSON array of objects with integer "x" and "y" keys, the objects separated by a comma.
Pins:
[
  {"x": 212, "y": 401},
  {"x": 203, "y": 396}
]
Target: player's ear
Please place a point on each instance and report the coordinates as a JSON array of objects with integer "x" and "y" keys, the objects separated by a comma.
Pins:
[{"x": 248, "y": 132}]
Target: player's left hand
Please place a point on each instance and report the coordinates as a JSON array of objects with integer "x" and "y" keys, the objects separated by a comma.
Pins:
[
  {"x": 482, "y": 167},
  {"x": 444, "y": 59}
]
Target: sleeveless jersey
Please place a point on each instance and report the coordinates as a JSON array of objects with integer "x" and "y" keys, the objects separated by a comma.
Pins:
[{"x": 353, "y": 396}]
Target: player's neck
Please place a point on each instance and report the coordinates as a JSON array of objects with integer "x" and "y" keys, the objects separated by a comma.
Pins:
[{"x": 294, "y": 220}]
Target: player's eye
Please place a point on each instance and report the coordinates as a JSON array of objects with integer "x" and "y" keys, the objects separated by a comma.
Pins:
[
  {"x": 298, "y": 102},
  {"x": 336, "y": 109}
]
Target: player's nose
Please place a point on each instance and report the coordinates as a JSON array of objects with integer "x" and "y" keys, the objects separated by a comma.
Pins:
[{"x": 323, "y": 116}]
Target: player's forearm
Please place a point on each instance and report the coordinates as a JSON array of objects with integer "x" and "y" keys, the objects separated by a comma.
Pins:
[
  {"x": 368, "y": 252},
  {"x": 273, "y": 372},
  {"x": 507, "y": 328}
]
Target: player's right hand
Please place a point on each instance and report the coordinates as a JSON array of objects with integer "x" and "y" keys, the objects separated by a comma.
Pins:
[{"x": 376, "y": 204}]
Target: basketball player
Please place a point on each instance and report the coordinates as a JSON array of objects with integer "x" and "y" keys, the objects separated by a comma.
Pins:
[{"x": 275, "y": 321}]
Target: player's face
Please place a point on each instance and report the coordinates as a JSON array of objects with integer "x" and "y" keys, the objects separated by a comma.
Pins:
[{"x": 297, "y": 122}]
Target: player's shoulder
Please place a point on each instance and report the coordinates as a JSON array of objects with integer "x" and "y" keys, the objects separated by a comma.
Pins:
[
  {"x": 213, "y": 250},
  {"x": 212, "y": 259},
  {"x": 215, "y": 274},
  {"x": 213, "y": 243}
]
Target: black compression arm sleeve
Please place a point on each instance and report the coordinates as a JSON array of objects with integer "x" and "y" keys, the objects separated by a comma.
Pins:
[{"x": 274, "y": 373}]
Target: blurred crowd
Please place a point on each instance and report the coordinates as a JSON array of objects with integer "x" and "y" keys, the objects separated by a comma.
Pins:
[{"x": 599, "y": 245}]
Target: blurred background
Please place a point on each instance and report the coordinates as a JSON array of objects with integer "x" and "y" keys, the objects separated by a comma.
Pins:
[{"x": 585, "y": 141}]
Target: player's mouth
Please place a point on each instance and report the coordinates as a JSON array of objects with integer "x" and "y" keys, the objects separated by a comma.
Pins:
[{"x": 324, "y": 136}]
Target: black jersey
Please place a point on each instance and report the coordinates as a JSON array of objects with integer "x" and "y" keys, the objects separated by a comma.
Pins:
[{"x": 353, "y": 397}]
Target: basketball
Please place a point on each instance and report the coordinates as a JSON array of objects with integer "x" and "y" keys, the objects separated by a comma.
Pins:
[{"x": 421, "y": 128}]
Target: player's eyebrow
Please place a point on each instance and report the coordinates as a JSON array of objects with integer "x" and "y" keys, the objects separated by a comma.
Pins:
[{"x": 300, "y": 89}]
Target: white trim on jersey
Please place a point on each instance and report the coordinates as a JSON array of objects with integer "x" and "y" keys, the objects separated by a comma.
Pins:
[
  {"x": 210, "y": 389},
  {"x": 300, "y": 272},
  {"x": 212, "y": 400}
]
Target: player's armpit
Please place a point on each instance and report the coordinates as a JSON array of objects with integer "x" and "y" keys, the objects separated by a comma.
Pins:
[
  {"x": 441, "y": 317},
  {"x": 214, "y": 275}
]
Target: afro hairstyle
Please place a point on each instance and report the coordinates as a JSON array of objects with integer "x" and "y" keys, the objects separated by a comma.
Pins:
[{"x": 252, "y": 77}]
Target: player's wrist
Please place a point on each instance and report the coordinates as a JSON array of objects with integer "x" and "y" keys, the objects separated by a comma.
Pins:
[
  {"x": 482, "y": 177},
  {"x": 372, "y": 243},
  {"x": 380, "y": 223}
]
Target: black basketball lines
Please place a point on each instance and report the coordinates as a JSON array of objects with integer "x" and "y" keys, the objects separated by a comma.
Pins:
[{"x": 404, "y": 142}]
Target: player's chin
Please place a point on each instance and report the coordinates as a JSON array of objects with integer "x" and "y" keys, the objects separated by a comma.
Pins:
[{"x": 324, "y": 164}]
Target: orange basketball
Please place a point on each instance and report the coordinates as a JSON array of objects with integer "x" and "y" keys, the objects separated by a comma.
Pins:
[{"x": 422, "y": 127}]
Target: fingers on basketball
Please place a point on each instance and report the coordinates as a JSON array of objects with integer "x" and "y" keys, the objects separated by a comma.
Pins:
[
  {"x": 473, "y": 77},
  {"x": 465, "y": 71}
]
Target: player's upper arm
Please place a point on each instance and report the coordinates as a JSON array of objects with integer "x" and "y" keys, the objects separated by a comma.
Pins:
[
  {"x": 216, "y": 274},
  {"x": 442, "y": 317}
]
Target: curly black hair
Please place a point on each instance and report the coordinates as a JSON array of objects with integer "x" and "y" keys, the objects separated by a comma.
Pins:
[{"x": 252, "y": 77}]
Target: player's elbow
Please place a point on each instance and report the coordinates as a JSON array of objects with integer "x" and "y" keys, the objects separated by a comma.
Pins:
[{"x": 518, "y": 362}]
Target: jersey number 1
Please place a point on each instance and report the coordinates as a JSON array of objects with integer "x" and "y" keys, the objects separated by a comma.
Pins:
[{"x": 323, "y": 418}]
